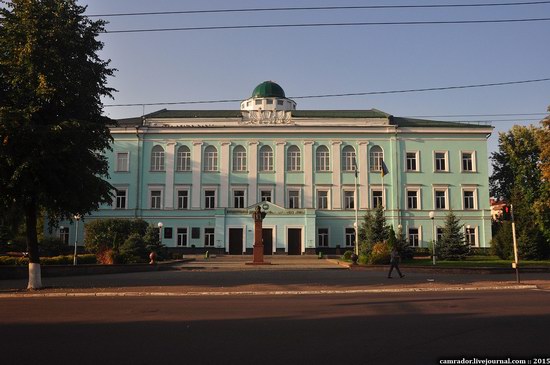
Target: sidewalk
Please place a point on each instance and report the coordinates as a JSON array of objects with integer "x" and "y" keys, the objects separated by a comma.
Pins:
[{"x": 287, "y": 275}]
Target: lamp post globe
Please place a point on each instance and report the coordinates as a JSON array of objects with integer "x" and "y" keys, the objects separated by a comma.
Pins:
[{"x": 77, "y": 219}]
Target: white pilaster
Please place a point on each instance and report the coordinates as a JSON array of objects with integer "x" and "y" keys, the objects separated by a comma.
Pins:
[
  {"x": 252, "y": 172},
  {"x": 196, "y": 168},
  {"x": 308, "y": 174},
  {"x": 362, "y": 166},
  {"x": 225, "y": 163},
  {"x": 336, "y": 176},
  {"x": 169, "y": 182},
  {"x": 280, "y": 173}
]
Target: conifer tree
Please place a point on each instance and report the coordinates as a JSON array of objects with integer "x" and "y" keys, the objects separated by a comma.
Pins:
[{"x": 452, "y": 246}]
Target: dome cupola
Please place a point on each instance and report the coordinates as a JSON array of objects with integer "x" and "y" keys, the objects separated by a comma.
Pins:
[{"x": 268, "y": 96}]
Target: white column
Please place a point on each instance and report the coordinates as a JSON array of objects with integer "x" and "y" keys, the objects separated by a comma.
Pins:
[
  {"x": 308, "y": 174},
  {"x": 252, "y": 172},
  {"x": 225, "y": 160},
  {"x": 196, "y": 168},
  {"x": 362, "y": 165},
  {"x": 280, "y": 173},
  {"x": 336, "y": 176},
  {"x": 169, "y": 182}
]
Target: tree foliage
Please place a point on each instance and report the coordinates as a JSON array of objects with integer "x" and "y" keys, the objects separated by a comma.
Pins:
[
  {"x": 452, "y": 246},
  {"x": 52, "y": 134},
  {"x": 373, "y": 230}
]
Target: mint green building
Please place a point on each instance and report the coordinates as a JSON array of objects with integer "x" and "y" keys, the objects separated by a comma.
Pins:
[{"x": 201, "y": 173}]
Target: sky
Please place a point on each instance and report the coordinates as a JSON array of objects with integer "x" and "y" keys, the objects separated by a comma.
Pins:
[{"x": 159, "y": 67}]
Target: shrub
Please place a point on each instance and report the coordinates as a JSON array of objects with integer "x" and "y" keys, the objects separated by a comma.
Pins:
[
  {"x": 133, "y": 250},
  {"x": 380, "y": 254},
  {"x": 8, "y": 260},
  {"x": 108, "y": 234},
  {"x": 347, "y": 255},
  {"x": 502, "y": 242},
  {"x": 52, "y": 246}
]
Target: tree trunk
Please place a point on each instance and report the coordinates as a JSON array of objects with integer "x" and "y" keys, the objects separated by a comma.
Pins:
[{"x": 35, "y": 275}]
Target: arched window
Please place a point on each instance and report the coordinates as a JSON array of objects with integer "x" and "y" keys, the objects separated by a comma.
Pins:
[
  {"x": 183, "y": 159},
  {"x": 210, "y": 159},
  {"x": 376, "y": 158},
  {"x": 157, "y": 158},
  {"x": 348, "y": 159},
  {"x": 266, "y": 158},
  {"x": 323, "y": 158},
  {"x": 293, "y": 159},
  {"x": 239, "y": 158}
]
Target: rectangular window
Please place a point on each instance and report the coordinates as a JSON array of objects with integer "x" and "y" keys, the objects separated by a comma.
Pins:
[
  {"x": 294, "y": 160},
  {"x": 168, "y": 232},
  {"x": 470, "y": 236},
  {"x": 156, "y": 199},
  {"x": 258, "y": 101},
  {"x": 265, "y": 196},
  {"x": 349, "y": 199},
  {"x": 323, "y": 160},
  {"x": 440, "y": 161},
  {"x": 414, "y": 237},
  {"x": 322, "y": 237},
  {"x": 269, "y": 101},
  {"x": 239, "y": 161},
  {"x": 294, "y": 199},
  {"x": 64, "y": 235},
  {"x": 322, "y": 199},
  {"x": 121, "y": 198},
  {"x": 122, "y": 162},
  {"x": 209, "y": 199},
  {"x": 376, "y": 158},
  {"x": 184, "y": 161},
  {"x": 181, "y": 237},
  {"x": 183, "y": 199},
  {"x": 348, "y": 161},
  {"x": 377, "y": 199},
  {"x": 350, "y": 237},
  {"x": 412, "y": 163},
  {"x": 469, "y": 199},
  {"x": 280, "y": 102},
  {"x": 266, "y": 160},
  {"x": 467, "y": 161},
  {"x": 440, "y": 197},
  {"x": 412, "y": 199},
  {"x": 209, "y": 237},
  {"x": 195, "y": 233},
  {"x": 211, "y": 161},
  {"x": 238, "y": 198}
]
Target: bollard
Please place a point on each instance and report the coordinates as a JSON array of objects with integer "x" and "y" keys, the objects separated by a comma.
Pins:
[{"x": 206, "y": 255}]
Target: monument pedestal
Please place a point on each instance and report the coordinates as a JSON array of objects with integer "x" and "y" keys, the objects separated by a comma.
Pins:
[{"x": 258, "y": 249}]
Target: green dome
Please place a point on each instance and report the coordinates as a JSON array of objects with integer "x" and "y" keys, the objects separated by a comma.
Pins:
[{"x": 268, "y": 89}]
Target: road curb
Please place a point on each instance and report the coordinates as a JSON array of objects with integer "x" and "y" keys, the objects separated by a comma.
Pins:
[{"x": 267, "y": 293}]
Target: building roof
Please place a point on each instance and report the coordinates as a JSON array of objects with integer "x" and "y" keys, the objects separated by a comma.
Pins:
[
  {"x": 425, "y": 123},
  {"x": 268, "y": 89}
]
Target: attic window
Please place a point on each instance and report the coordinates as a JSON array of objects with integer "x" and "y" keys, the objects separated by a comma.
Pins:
[
  {"x": 280, "y": 102},
  {"x": 269, "y": 101},
  {"x": 258, "y": 101}
]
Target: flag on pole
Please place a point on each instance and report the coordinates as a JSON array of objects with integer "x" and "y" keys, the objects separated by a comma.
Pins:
[
  {"x": 384, "y": 170},
  {"x": 355, "y": 166}
]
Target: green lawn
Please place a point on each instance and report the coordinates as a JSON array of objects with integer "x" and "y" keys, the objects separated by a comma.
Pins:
[{"x": 475, "y": 261}]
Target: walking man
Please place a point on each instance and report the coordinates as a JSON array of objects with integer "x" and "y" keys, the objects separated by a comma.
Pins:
[{"x": 394, "y": 263}]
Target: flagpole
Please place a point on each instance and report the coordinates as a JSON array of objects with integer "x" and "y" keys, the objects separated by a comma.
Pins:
[{"x": 356, "y": 202}]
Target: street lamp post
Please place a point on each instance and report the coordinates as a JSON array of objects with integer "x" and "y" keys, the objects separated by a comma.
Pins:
[
  {"x": 159, "y": 224},
  {"x": 432, "y": 216},
  {"x": 77, "y": 218}
]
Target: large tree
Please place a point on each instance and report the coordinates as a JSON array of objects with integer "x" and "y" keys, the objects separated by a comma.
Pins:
[{"x": 52, "y": 134}]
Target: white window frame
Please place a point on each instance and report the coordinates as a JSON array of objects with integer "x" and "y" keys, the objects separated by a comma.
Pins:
[
  {"x": 64, "y": 235},
  {"x": 322, "y": 159},
  {"x": 474, "y": 234},
  {"x": 348, "y": 159},
  {"x": 209, "y": 239},
  {"x": 299, "y": 197},
  {"x": 179, "y": 242},
  {"x": 215, "y": 198},
  {"x": 417, "y": 190},
  {"x": 376, "y": 158},
  {"x": 210, "y": 163},
  {"x": 419, "y": 228},
  {"x": 349, "y": 199},
  {"x": 241, "y": 198},
  {"x": 260, "y": 198},
  {"x": 437, "y": 234},
  {"x": 474, "y": 197},
  {"x": 445, "y": 189},
  {"x": 294, "y": 158},
  {"x": 416, "y": 161},
  {"x": 120, "y": 168},
  {"x": 266, "y": 158},
  {"x": 474, "y": 167},
  {"x": 326, "y": 237},
  {"x": 349, "y": 236},
  {"x": 178, "y": 190},
  {"x": 158, "y": 159},
  {"x": 446, "y": 160},
  {"x": 318, "y": 197},
  {"x": 125, "y": 190},
  {"x": 372, "y": 190},
  {"x": 239, "y": 159},
  {"x": 183, "y": 158},
  {"x": 151, "y": 190}
]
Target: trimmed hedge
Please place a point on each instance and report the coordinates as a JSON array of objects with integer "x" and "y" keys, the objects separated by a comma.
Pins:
[{"x": 56, "y": 260}]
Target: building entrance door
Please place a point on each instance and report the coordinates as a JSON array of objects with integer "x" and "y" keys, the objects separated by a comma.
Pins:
[
  {"x": 294, "y": 241},
  {"x": 235, "y": 241},
  {"x": 267, "y": 238}
]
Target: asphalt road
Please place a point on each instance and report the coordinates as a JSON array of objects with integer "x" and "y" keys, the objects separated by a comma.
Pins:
[{"x": 388, "y": 328}]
